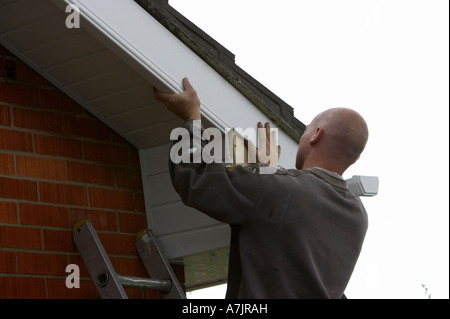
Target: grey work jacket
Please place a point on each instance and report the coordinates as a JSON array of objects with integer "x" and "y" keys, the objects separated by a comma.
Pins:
[{"x": 295, "y": 234}]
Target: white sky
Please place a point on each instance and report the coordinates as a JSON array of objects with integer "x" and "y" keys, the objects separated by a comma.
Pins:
[{"x": 389, "y": 60}]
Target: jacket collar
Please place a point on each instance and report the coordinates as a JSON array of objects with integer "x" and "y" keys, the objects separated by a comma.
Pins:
[{"x": 328, "y": 176}]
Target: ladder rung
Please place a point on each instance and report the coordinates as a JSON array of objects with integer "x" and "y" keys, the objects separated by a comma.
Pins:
[
  {"x": 109, "y": 284},
  {"x": 147, "y": 283}
]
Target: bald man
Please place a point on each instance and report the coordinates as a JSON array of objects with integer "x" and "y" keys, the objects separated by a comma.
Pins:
[{"x": 296, "y": 233}]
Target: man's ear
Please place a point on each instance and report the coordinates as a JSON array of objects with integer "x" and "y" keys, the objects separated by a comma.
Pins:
[{"x": 317, "y": 136}]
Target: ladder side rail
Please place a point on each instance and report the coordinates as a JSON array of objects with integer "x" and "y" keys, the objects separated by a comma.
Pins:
[
  {"x": 97, "y": 262},
  {"x": 156, "y": 264}
]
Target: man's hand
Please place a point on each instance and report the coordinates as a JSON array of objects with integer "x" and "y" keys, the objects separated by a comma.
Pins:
[
  {"x": 271, "y": 149},
  {"x": 185, "y": 105}
]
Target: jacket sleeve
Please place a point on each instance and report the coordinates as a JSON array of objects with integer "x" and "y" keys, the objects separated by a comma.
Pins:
[{"x": 215, "y": 189}]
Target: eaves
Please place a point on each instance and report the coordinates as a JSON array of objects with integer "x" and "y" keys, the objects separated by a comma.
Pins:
[{"x": 223, "y": 62}]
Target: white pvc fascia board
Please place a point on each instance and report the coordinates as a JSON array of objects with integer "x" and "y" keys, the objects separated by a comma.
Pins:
[{"x": 159, "y": 56}]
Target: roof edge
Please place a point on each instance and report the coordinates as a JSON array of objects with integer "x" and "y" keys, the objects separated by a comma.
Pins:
[{"x": 223, "y": 62}]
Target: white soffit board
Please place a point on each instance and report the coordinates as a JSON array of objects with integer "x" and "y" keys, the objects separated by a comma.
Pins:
[{"x": 161, "y": 58}]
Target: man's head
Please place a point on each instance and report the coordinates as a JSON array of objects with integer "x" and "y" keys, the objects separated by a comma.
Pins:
[{"x": 333, "y": 140}]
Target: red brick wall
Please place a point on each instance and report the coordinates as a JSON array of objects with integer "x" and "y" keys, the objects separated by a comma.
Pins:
[{"x": 60, "y": 165}]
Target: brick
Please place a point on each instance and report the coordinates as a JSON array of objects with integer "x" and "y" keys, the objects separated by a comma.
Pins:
[
  {"x": 16, "y": 94},
  {"x": 5, "y": 116},
  {"x": 25, "y": 74},
  {"x": 117, "y": 139},
  {"x": 20, "y": 237},
  {"x": 134, "y": 293},
  {"x": 134, "y": 157},
  {"x": 8, "y": 263},
  {"x": 78, "y": 260},
  {"x": 113, "y": 199},
  {"x": 130, "y": 267},
  {"x": 8, "y": 213},
  {"x": 140, "y": 202},
  {"x": 129, "y": 178},
  {"x": 17, "y": 141},
  {"x": 58, "y": 240},
  {"x": 37, "y": 120},
  {"x": 4, "y": 51},
  {"x": 102, "y": 220},
  {"x": 118, "y": 244},
  {"x": 151, "y": 294},
  {"x": 88, "y": 127},
  {"x": 42, "y": 168},
  {"x": 132, "y": 223},
  {"x": 56, "y": 100},
  {"x": 63, "y": 194},
  {"x": 105, "y": 153},
  {"x": 8, "y": 69},
  {"x": 90, "y": 173},
  {"x": 42, "y": 215},
  {"x": 56, "y": 289},
  {"x": 41, "y": 264},
  {"x": 22, "y": 288},
  {"x": 7, "y": 164},
  {"x": 18, "y": 189},
  {"x": 57, "y": 146}
]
